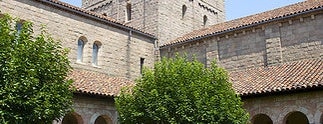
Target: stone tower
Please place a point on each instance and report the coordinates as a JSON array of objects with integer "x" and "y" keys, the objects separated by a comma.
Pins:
[{"x": 166, "y": 19}]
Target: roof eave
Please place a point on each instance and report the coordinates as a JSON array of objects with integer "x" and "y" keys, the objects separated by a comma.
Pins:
[
  {"x": 96, "y": 95},
  {"x": 282, "y": 92}
]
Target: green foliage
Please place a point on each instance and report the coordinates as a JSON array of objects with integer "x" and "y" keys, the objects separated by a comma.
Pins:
[
  {"x": 33, "y": 69},
  {"x": 182, "y": 92}
]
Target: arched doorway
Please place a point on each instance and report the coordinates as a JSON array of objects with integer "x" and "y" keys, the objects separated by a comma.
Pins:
[
  {"x": 72, "y": 118},
  {"x": 296, "y": 118},
  {"x": 261, "y": 119},
  {"x": 103, "y": 119}
]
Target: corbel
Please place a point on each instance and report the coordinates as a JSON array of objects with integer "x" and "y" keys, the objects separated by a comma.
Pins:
[
  {"x": 290, "y": 22},
  {"x": 301, "y": 19}
]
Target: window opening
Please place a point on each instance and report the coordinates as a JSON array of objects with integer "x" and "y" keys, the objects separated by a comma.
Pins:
[
  {"x": 205, "y": 20},
  {"x": 142, "y": 62},
  {"x": 128, "y": 12},
  {"x": 184, "y": 8},
  {"x": 80, "y": 47},
  {"x": 95, "y": 54}
]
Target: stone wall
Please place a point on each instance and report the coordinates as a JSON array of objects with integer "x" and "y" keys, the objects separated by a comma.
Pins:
[
  {"x": 120, "y": 50},
  {"x": 90, "y": 3},
  {"x": 268, "y": 44},
  {"x": 278, "y": 107},
  {"x": 172, "y": 24},
  {"x": 164, "y": 18},
  {"x": 143, "y": 12}
]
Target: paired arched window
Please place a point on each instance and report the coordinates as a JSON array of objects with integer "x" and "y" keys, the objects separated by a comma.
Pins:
[
  {"x": 95, "y": 52},
  {"x": 80, "y": 47},
  {"x": 80, "y": 50}
]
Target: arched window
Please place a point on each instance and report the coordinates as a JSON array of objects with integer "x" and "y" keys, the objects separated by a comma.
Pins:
[
  {"x": 261, "y": 119},
  {"x": 128, "y": 12},
  {"x": 80, "y": 47},
  {"x": 296, "y": 118},
  {"x": 205, "y": 20},
  {"x": 96, "y": 47},
  {"x": 184, "y": 8}
]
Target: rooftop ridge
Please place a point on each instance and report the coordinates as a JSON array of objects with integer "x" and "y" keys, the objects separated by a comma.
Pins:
[{"x": 95, "y": 83}]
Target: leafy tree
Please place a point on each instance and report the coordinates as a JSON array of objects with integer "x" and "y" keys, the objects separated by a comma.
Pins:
[
  {"x": 179, "y": 91},
  {"x": 33, "y": 68}
]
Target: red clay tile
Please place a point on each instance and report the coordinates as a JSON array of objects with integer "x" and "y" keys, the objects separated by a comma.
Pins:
[
  {"x": 97, "y": 83},
  {"x": 285, "y": 77}
]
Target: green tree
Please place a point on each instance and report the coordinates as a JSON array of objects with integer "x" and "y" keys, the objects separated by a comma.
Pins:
[
  {"x": 33, "y": 68},
  {"x": 177, "y": 91}
]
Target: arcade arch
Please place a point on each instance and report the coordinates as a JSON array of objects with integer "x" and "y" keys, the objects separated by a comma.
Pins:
[
  {"x": 103, "y": 119},
  {"x": 261, "y": 119},
  {"x": 296, "y": 118},
  {"x": 72, "y": 118}
]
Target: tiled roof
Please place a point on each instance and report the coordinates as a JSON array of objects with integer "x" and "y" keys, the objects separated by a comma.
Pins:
[
  {"x": 304, "y": 74},
  {"x": 95, "y": 83},
  {"x": 248, "y": 21},
  {"x": 94, "y": 14},
  {"x": 291, "y": 76}
]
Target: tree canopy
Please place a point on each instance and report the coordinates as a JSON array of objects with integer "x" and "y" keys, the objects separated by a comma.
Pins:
[
  {"x": 180, "y": 91},
  {"x": 33, "y": 70}
]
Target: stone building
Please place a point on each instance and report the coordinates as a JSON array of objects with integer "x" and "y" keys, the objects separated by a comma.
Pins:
[
  {"x": 104, "y": 53},
  {"x": 274, "y": 58},
  {"x": 166, "y": 19}
]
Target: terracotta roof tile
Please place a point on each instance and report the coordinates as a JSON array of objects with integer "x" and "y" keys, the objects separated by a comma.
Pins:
[
  {"x": 97, "y": 83},
  {"x": 249, "y": 20},
  {"x": 285, "y": 77},
  {"x": 95, "y": 15}
]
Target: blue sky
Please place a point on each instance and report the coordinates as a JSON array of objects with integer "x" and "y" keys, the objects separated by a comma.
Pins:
[{"x": 236, "y": 8}]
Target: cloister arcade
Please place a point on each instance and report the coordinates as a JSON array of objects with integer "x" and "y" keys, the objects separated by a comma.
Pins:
[
  {"x": 295, "y": 117},
  {"x": 74, "y": 118}
]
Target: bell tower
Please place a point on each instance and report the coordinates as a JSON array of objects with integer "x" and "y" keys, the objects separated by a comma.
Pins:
[{"x": 166, "y": 19}]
